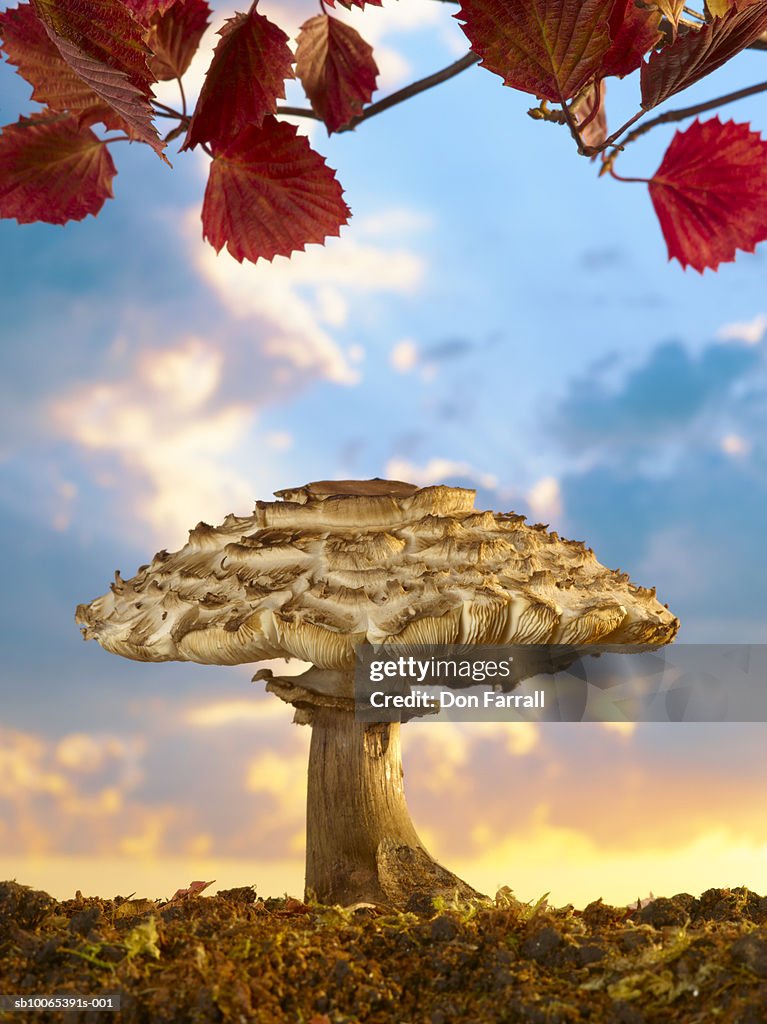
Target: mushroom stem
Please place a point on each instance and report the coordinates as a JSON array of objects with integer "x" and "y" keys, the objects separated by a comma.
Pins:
[{"x": 361, "y": 844}]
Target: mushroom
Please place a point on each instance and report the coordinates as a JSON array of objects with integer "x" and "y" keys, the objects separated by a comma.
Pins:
[{"x": 336, "y": 564}]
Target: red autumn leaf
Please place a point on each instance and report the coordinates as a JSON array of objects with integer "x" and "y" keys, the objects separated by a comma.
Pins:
[
  {"x": 551, "y": 49},
  {"x": 269, "y": 194},
  {"x": 28, "y": 46},
  {"x": 174, "y": 37},
  {"x": 244, "y": 81},
  {"x": 53, "y": 170},
  {"x": 104, "y": 45},
  {"x": 336, "y": 68},
  {"x": 699, "y": 52},
  {"x": 104, "y": 30},
  {"x": 349, "y": 4},
  {"x": 116, "y": 89},
  {"x": 634, "y": 30},
  {"x": 145, "y": 10},
  {"x": 710, "y": 193}
]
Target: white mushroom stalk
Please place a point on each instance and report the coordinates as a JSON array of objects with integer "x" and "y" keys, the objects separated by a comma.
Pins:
[{"x": 339, "y": 563}]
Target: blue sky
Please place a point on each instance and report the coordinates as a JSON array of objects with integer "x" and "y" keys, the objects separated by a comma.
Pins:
[{"x": 494, "y": 315}]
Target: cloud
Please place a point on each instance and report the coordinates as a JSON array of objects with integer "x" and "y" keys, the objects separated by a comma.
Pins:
[
  {"x": 166, "y": 419},
  {"x": 280, "y": 440},
  {"x": 165, "y": 424},
  {"x": 487, "y": 797},
  {"x": 749, "y": 332},
  {"x": 171, "y": 425},
  {"x": 404, "y": 355},
  {"x": 670, "y": 479},
  {"x": 668, "y": 393},
  {"x": 438, "y": 471},
  {"x": 652, "y": 794},
  {"x": 734, "y": 444},
  {"x": 449, "y": 348},
  {"x": 545, "y": 498},
  {"x": 608, "y": 257},
  {"x": 291, "y": 299},
  {"x": 396, "y": 222}
]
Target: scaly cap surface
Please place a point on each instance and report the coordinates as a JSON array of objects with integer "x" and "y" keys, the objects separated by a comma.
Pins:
[{"x": 336, "y": 563}]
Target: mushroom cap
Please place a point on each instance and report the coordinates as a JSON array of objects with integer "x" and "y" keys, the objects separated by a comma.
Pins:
[{"x": 337, "y": 563}]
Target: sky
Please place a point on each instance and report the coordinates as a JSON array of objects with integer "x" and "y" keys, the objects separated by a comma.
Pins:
[{"x": 494, "y": 316}]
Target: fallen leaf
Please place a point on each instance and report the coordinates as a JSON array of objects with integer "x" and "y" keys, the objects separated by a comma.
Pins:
[
  {"x": 134, "y": 908},
  {"x": 194, "y": 889}
]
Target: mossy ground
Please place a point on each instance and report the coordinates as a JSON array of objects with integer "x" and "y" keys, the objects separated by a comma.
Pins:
[{"x": 235, "y": 957}]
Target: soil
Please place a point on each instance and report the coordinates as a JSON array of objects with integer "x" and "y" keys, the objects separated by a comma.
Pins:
[{"x": 236, "y": 957}]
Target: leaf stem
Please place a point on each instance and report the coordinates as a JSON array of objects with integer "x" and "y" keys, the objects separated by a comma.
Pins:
[
  {"x": 169, "y": 111},
  {"x": 618, "y": 177},
  {"x": 183, "y": 94}
]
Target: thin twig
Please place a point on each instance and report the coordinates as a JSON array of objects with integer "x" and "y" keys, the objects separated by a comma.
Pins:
[
  {"x": 413, "y": 89},
  {"x": 298, "y": 112},
  {"x": 670, "y": 116},
  {"x": 169, "y": 111},
  {"x": 593, "y": 150},
  {"x": 392, "y": 100},
  {"x": 183, "y": 94},
  {"x": 697, "y": 108}
]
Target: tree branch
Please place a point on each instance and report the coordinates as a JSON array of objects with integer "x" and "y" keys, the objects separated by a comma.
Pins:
[
  {"x": 396, "y": 97},
  {"x": 299, "y": 112},
  {"x": 467, "y": 61},
  {"x": 670, "y": 116}
]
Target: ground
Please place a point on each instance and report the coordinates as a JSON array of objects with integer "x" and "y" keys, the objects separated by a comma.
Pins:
[{"x": 236, "y": 957}]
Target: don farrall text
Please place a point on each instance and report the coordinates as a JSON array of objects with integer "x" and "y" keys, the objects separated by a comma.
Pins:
[{"x": 433, "y": 671}]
